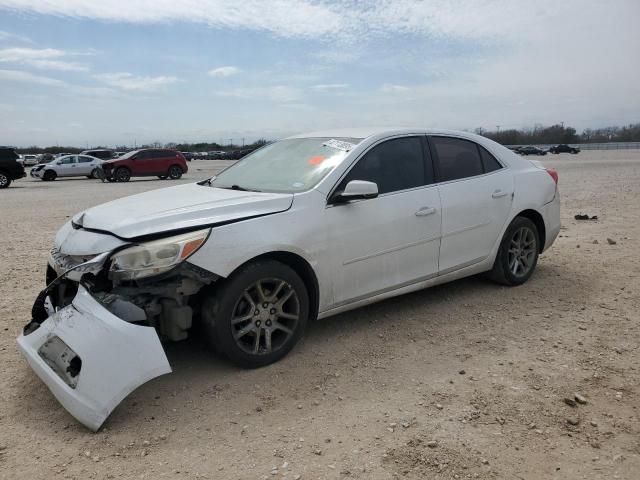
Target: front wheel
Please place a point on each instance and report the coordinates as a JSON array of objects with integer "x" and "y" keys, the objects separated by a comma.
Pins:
[
  {"x": 258, "y": 314},
  {"x": 49, "y": 176},
  {"x": 122, "y": 175},
  {"x": 518, "y": 253},
  {"x": 5, "y": 181}
]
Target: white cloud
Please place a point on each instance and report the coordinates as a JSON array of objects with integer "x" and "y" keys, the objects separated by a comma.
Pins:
[
  {"x": 392, "y": 88},
  {"x": 58, "y": 65},
  {"x": 20, "y": 76},
  {"x": 4, "y": 35},
  {"x": 326, "y": 87},
  {"x": 221, "y": 72},
  {"x": 43, "y": 58},
  {"x": 129, "y": 82},
  {"x": 276, "y": 93},
  {"x": 19, "y": 54}
]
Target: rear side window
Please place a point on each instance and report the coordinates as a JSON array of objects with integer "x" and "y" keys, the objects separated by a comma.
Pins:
[
  {"x": 85, "y": 159},
  {"x": 456, "y": 158},
  {"x": 393, "y": 165},
  {"x": 489, "y": 161}
]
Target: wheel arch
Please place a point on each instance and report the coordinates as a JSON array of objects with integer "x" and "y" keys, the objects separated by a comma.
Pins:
[
  {"x": 303, "y": 268},
  {"x": 538, "y": 221}
]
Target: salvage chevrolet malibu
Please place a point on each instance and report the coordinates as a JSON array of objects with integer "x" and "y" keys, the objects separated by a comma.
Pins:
[{"x": 301, "y": 229}]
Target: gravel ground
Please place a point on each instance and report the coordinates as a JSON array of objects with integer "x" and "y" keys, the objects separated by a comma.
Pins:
[{"x": 465, "y": 380}]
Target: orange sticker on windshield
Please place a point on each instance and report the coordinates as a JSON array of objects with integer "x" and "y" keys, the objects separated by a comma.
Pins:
[{"x": 317, "y": 160}]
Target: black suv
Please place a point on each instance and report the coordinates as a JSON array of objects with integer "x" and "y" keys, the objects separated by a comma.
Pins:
[
  {"x": 564, "y": 148},
  {"x": 102, "y": 153},
  {"x": 10, "y": 169}
]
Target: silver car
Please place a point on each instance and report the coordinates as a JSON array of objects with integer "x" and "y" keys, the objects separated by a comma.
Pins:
[{"x": 68, "y": 166}]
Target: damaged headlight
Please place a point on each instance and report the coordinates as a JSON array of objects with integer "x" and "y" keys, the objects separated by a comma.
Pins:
[{"x": 155, "y": 257}]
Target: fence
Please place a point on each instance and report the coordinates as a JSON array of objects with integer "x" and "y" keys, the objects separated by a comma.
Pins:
[{"x": 592, "y": 146}]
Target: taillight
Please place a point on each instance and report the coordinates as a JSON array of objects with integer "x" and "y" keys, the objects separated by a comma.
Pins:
[{"x": 554, "y": 174}]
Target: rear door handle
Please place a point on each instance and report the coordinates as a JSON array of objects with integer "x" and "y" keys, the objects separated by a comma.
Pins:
[
  {"x": 424, "y": 211},
  {"x": 499, "y": 193}
]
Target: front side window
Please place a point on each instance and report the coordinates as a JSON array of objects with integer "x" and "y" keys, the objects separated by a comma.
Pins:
[
  {"x": 67, "y": 160},
  {"x": 456, "y": 158},
  {"x": 393, "y": 165},
  {"x": 287, "y": 166}
]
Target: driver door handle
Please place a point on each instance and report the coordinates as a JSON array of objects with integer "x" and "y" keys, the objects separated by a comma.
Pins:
[{"x": 424, "y": 211}]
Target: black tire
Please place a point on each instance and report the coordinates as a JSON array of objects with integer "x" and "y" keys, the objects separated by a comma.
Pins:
[
  {"x": 517, "y": 257},
  {"x": 122, "y": 174},
  {"x": 228, "y": 301},
  {"x": 175, "y": 172},
  {"x": 49, "y": 176},
  {"x": 95, "y": 173},
  {"x": 5, "y": 180},
  {"x": 162, "y": 177},
  {"x": 110, "y": 179}
]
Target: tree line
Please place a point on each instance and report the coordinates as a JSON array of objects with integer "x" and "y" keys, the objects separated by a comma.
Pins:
[
  {"x": 182, "y": 147},
  {"x": 555, "y": 134},
  {"x": 539, "y": 134}
]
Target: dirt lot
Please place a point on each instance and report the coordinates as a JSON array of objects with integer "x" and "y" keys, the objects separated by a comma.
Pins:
[{"x": 465, "y": 380}]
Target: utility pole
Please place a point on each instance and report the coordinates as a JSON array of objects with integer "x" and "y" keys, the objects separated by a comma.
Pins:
[{"x": 498, "y": 127}]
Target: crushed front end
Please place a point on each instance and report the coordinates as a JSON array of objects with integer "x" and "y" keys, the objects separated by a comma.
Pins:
[{"x": 96, "y": 330}]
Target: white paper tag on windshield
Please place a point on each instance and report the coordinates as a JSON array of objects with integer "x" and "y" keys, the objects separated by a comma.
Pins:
[{"x": 339, "y": 145}]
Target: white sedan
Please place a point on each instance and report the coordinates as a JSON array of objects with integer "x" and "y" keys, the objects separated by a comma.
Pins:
[
  {"x": 301, "y": 229},
  {"x": 68, "y": 166}
]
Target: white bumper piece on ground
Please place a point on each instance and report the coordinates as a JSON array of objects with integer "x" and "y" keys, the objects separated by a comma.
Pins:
[{"x": 116, "y": 358}]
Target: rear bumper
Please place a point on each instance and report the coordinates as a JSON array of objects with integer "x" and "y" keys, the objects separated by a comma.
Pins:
[
  {"x": 551, "y": 214},
  {"x": 115, "y": 358}
]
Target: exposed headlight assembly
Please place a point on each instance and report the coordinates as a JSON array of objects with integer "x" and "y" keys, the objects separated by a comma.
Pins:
[{"x": 155, "y": 257}]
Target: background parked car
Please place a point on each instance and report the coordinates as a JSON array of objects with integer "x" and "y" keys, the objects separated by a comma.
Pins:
[
  {"x": 188, "y": 156},
  {"x": 101, "y": 153},
  {"x": 564, "y": 148},
  {"x": 148, "y": 162},
  {"x": 68, "y": 166},
  {"x": 530, "y": 150},
  {"x": 29, "y": 160},
  {"x": 10, "y": 168}
]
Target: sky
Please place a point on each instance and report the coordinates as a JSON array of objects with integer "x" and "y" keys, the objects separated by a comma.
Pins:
[{"x": 113, "y": 72}]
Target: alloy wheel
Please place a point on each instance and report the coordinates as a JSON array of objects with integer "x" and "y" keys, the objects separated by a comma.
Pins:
[
  {"x": 175, "y": 172},
  {"x": 522, "y": 251},
  {"x": 265, "y": 316},
  {"x": 4, "y": 180}
]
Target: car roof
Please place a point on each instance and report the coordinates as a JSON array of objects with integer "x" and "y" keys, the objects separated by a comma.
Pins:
[{"x": 365, "y": 132}]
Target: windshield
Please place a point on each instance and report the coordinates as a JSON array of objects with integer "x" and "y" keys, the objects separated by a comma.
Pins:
[{"x": 287, "y": 166}]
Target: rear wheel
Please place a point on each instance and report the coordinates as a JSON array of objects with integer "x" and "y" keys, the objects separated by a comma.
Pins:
[
  {"x": 95, "y": 173},
  {"x": 49, "y": 176},
  {"x": 518, "y": 253},
  {"x": 258, "y": 314},
  {"x": 5, "y": 181},
  {"x": 175, "y": 172},
  {"x": 122, "y": 174}
]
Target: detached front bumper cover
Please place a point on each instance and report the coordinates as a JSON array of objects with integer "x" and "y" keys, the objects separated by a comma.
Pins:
[{"x": 90, "y": 359}]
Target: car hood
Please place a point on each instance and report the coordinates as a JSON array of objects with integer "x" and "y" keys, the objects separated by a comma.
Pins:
[{"x": 180, "y": 207}]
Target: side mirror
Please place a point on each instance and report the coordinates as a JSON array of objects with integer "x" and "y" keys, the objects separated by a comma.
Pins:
[{"x": 356, "y": 190}]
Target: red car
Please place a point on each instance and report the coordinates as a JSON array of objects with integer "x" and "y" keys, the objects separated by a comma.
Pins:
[{"x": 148, "y": 162}]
